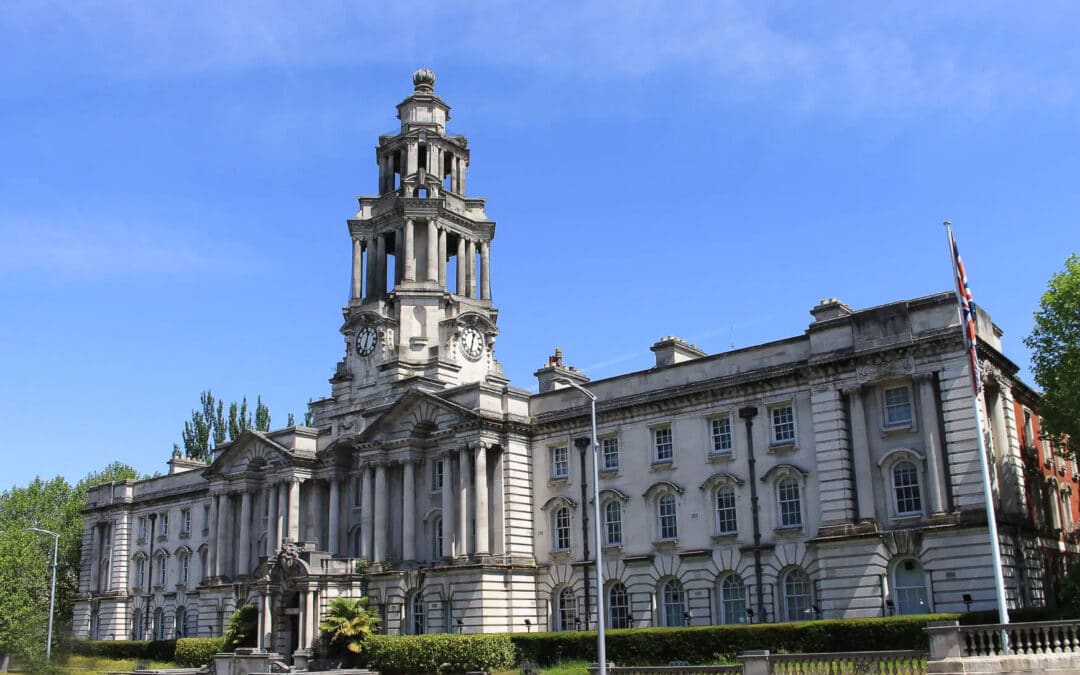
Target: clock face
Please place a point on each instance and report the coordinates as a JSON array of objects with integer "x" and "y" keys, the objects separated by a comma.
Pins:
[
  {"x": 472, "y": 343},
  {"x": 366, "y": 339}
]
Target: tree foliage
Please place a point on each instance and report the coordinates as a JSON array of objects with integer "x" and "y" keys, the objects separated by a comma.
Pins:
[
  {"x": 346, "y": 624},
  {"x": 26, "y": 556},
  {"x": 209, "y": 422},
  {"x": 243, "y": 628},
  {"x": 1055, "y": 355}
]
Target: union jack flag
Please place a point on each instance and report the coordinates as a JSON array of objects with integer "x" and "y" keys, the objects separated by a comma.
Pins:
[{"x": 967, "y": 312}]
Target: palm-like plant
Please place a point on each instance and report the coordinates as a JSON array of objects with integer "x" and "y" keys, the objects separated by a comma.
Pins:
[{"x": 347, "y": 622}]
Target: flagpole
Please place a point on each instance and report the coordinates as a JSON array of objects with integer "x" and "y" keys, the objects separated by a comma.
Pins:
[{"x": 971, "y": 342}]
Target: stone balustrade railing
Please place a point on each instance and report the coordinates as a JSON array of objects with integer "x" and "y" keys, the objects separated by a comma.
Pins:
[
  {"x": 903, "y": 662},
  {"x": 1037, "y": 637}
]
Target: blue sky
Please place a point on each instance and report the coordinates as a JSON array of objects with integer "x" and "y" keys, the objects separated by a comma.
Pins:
[{"x": 176, "y": 180}]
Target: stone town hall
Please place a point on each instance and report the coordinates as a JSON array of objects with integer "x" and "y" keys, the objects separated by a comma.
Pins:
[{"x": 830, "y": 474}]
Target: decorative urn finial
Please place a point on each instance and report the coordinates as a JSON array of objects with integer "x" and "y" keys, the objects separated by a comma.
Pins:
[{"x": 424, "y": 81}]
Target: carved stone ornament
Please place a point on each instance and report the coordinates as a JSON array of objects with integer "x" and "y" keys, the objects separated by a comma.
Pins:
[{"x": 882, "y": 368}]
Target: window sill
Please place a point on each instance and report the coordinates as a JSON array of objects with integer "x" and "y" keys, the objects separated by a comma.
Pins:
[
  {"x": 185, "y": 535},
  {"x": 613, "y": 547},
  {"x": 908, "y": 517},
  {"x": 788, "y": 531},
  {"x": 205, "y": 531},
  {"x": 140, "y": 540},
  {"x": 730, "y": 538},
  {"x": 662, "y": 465},
  {"x": 609, "y": 473},
  {"x": 665, "y": 544},
  {"x": 721, "y": 456},
  {"x": 899, "y": 429},
  {"x": 562, "y": 554},
  {"x": 558, "y": 482},
  {"x": 782, "y": 448},
  {"x": 163, "y": 537}
]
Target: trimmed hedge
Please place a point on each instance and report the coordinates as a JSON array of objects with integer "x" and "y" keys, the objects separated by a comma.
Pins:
[
  {"x": 651, "y": 646},
  {"x": 396, "y": 654},
  {"x": 154, "y": 650},
  {"x": 1018, "y": 615},
  {"x": 196, "y": 652}
]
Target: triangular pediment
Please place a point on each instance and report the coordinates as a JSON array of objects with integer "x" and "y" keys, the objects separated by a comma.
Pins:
[
  {"x": 252, "y": 450},
  {"x": 416, "y": 414}
]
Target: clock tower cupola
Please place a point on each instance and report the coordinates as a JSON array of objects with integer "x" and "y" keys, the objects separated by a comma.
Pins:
[{"x": 420, "y": 311}]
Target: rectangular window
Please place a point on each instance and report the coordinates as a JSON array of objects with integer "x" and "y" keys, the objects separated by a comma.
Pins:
[
  {"x": 1029, "y": 430},
  {"x": 163, "y": 525},
  {"x": 185, "y": 521},
  {"x": 663, "y": 448},
  {"x": 560, "y": 462},
  {"x": 897, "y": 407},
  {"x": 142, "y": 528},
  {"x": 161, "y": 571},
  {"x": 562, "y": 529},
  {"x": 721, "y": 434},
  {"x": 140, "y": 573},
  {"x": 610, "y": 448},
  {"x": 437, "y": 476},
  {"x": 183, "y": 568},
  {"x": 782, "y": 418},
  {"x": 790, "y": 504},
  {"x": 669, "y": 524},
  {"x": 206, "y": 518},
  {"x": 726, "y": 519},
  {"x": 613, "y": 524}
]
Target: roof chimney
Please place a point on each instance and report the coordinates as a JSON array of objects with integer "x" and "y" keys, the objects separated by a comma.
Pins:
[
  {"x": 555, "y": 369},
  {"x": 671, "y": 350},
  {"x": 830, "y": 308}
]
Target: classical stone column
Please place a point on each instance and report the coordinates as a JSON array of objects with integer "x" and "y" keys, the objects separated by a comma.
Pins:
[
  {"x": 485, "y": 271},
  {"x": 367, "y": 513},
  {"x": 282, "y": 514},
  {"x": 462, "y": 509},
  {"x": 481, "y": 544},
  {"x": 272, "y": 526},
  {"x": 470, "y": 271},
  {"x": 408, "y": 511},
  {"x": 860, "y": 449},
  {"x": 357, "y": 268},
  {"x": 221, "y": 542},
  {"x": 294, "y": 509},
  {"x": 379, "y": 288},
  {"x": 498, "y": 498},
  {"x": 935, "y": 469},
  {"x": 334, "y": 515},
  {"x": 462, "y": 265},
  {"x": 432, "y": 251},
  {"x": 461, "y": 175},
  {"x": 381, "y": 527},
  {"x": 266, "y": 622},
  {"x": 244, "y": 543},
  {"x": 447, "y": 507},
  {"x": 95, "y": 556},
  {"x": 442, "y": 257},
  {"x": 212, "y": 526},
  {"x": 410, "y": 251},
  {"x": 309, "y": 619},
  {"x": 369, "y": 283}
]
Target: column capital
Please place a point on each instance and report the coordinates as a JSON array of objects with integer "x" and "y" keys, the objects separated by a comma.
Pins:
[
  {"x": 854, "y": 390},
  {"x": 925, "y": 376}
]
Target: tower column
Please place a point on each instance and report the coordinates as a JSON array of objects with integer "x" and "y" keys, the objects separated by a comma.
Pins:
[
  {"x": 860, "y": 450},
  {"x": 378, "y": 552},
  {"x": 432, "y": 251},
  {"x": 367, "y": 512},
  {"x": 464, "y": 478},
  {"x": 271, "y": 519},
  {"x": 357, "y": 268},
  {"x": 442, "y": 257},
  {"x": 485, "y": 271},
  {"x": 461, "y": 266},
  {"x": 470, "y": 271},
  {"x": 220, "y": 538},
  {"x": 334, "y": 515},
  {"x": 447, "y": 506},
  {"x": 461, "y": 174},
  {"x": 95, "y": 556},
  {"x": 294, "y": 510},
  {"x": 399, "y": 255},
  {"x": 481, "y": 545},
  {"x": 935, "y": 471},
  {"x": 282, "y": 510},
  {"x": 408, "y": 511},
  {"x": 244, "y": 562},
  {"x": 410, "y": 252},
  {"x": 379, "y": 287}
]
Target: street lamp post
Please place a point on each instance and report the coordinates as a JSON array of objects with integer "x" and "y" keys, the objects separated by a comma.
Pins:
[
  {"x": 601, "y": 650},
  {"x": 52, "y": 588}
]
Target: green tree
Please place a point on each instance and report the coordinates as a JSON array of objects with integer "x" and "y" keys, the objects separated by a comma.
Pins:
[
  {"x": 1055, "y": 356},
  {"x": 346, "y": 624},
  {"x": 262, "y": 415},
  {"x": 219, "y": 424},
  {"x": 25, "y": 558},
  {"x": 243, "y": 628}
]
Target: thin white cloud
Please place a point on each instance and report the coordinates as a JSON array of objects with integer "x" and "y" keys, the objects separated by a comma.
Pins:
[
  {"x": 90, "y": 251},
  {"x": 835, "y": 57}
]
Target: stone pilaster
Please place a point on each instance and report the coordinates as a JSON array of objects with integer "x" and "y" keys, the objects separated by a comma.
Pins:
[
  {"x": 294, "y": 509},
  {"x": 462, "y": 506},
  {"x": 935, "y": 467},
  {"x": 860, "y": 443},
  {"x": 334, "y": 516},
  {"x": 447, "y": 507},
  {"x": 833, "y": 455},
  {"x": 481, "y": 545},
  {"x": 381, "y": 526},
  {"x": 408, "y": 511},
  {"x": 367, "y": 512},
  {"x": 244, "y": 542}
]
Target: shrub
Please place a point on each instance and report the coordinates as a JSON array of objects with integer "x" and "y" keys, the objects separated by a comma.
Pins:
[
  {"x": 243, "y": 628},
  {"x": 345, "y": 628},
  {"x": 196, "y": 652},
  {"x": 155, "y": 650},
  {"x": 652, "y": 646},
  {"x": 395, "y": 654}
]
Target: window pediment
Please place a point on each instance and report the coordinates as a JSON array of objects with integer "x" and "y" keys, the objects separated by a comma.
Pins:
[
  {"x": 612, "y": 493},
  {"x": 899, "y": 455},
  {"x": 661, "y": 487},
  {"x": 719, "y": 480},
  {"x": 784, "y": 470},
  {"x": 558, "y": 500}
]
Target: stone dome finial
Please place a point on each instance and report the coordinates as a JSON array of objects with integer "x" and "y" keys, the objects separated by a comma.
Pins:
[{"x": 424, "y": 80}]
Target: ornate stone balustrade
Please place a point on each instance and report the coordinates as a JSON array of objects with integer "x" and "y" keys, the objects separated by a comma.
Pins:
[
  {"x": 1040, "y": 637},
  {"x": 905, "y": 662}
]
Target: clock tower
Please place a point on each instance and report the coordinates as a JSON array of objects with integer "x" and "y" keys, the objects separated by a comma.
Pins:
[{"x": 420, "y": 313}]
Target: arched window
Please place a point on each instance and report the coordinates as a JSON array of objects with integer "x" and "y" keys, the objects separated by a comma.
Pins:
[
  {"x": 356, "y": 538},
  {"x": 159, "y": 624},
  {"x": 181, "y": 622},
  {"x": 667, "y": 517},
  {"x": 726, "y": 520},
  {"x": 909, "y": 588},
  {"x": 613, "y": 523},
  {"x": 137, "y": 628},
  {"x": 789, "y": 503},
  {"x": 560, "y": 540},
  {"x": 906, "y": 492},
  {"x": 672, "y": 604},
  {"x": 798, "y": 601},
  {"x": 618, "y": 605},
  {"x": 183, "y": 565},
  {"x": 732, "y": 599},
  {"x": 140, "y": 571},
  {"x": 204, "y": 562},
  {"x": 436, "y": 539},
  {"x": 162, "y": 572},
  {"x": 417, "y": 621},
  {"x": 565, "y": 609}
]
